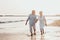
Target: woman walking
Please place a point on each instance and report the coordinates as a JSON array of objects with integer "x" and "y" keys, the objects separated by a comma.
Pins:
[{"x": 42, "y": 22}]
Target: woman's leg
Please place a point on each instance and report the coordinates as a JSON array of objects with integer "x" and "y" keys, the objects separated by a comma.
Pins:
[
  {"x": 34, "y": 28},
  {"x": 42, "y": 31}
]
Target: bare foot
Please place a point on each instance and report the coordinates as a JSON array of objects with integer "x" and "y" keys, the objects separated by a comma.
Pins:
[
  {"x": 31, "y": 34},
  {"x": 34, "y": 33}
]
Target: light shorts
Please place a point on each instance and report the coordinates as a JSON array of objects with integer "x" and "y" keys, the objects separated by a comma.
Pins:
[{"x": 41, "y": 27}]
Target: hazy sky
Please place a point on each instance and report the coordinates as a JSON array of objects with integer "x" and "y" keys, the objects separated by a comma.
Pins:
[{"x": 25, "y": 6}]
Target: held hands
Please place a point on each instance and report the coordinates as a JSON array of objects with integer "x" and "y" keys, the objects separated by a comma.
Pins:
[
  {"x": 26, "y": 23},
  {"x": 36, "y": 20},
  {"x": 45, "y": 24}
]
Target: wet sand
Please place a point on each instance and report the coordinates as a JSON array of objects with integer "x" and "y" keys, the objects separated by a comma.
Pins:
[
  {"x": 51, "y": 33},
  {"x": 6, "y": 36}
]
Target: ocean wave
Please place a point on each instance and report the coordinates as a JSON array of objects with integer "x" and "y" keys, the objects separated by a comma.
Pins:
[{"x": 11, "y": 21}]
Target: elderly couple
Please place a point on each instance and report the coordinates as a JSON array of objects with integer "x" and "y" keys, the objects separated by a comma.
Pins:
[{"x": 33, "y": 20}]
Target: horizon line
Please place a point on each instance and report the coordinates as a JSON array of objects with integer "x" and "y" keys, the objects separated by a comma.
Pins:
[{"x": 24, "y": 15}]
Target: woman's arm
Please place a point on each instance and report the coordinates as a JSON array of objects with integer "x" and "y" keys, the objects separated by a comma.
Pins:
[{"x": 45, "y": 21}]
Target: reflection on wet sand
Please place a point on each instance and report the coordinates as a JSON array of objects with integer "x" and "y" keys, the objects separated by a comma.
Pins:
[
  {"x": 42, "y": 37},
  {"x": 52, "y": 33},
  {"x": 33, "y": 37}
]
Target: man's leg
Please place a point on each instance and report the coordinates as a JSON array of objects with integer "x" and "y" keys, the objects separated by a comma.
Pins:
[
  {"x": 31, "y": 30},
  {"x": 34, "y": 28}
]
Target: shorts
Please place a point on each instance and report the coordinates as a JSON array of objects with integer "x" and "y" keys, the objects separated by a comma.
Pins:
[
  {"x": 41, "y": 27},
  {"x": 31, "y": 27}
]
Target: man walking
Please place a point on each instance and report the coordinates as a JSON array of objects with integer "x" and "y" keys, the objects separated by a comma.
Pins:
[{"x": 32, "y": 20}]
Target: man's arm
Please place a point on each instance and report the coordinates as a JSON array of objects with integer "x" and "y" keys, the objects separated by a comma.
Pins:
[
  {"x": 36, "y": 19},
  {"x": 27, "y": 20}
]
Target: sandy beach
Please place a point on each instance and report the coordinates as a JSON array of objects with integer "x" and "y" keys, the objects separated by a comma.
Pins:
[
  {"x": 51, "y": 33},
  {"x": 55, "y": 23}
]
